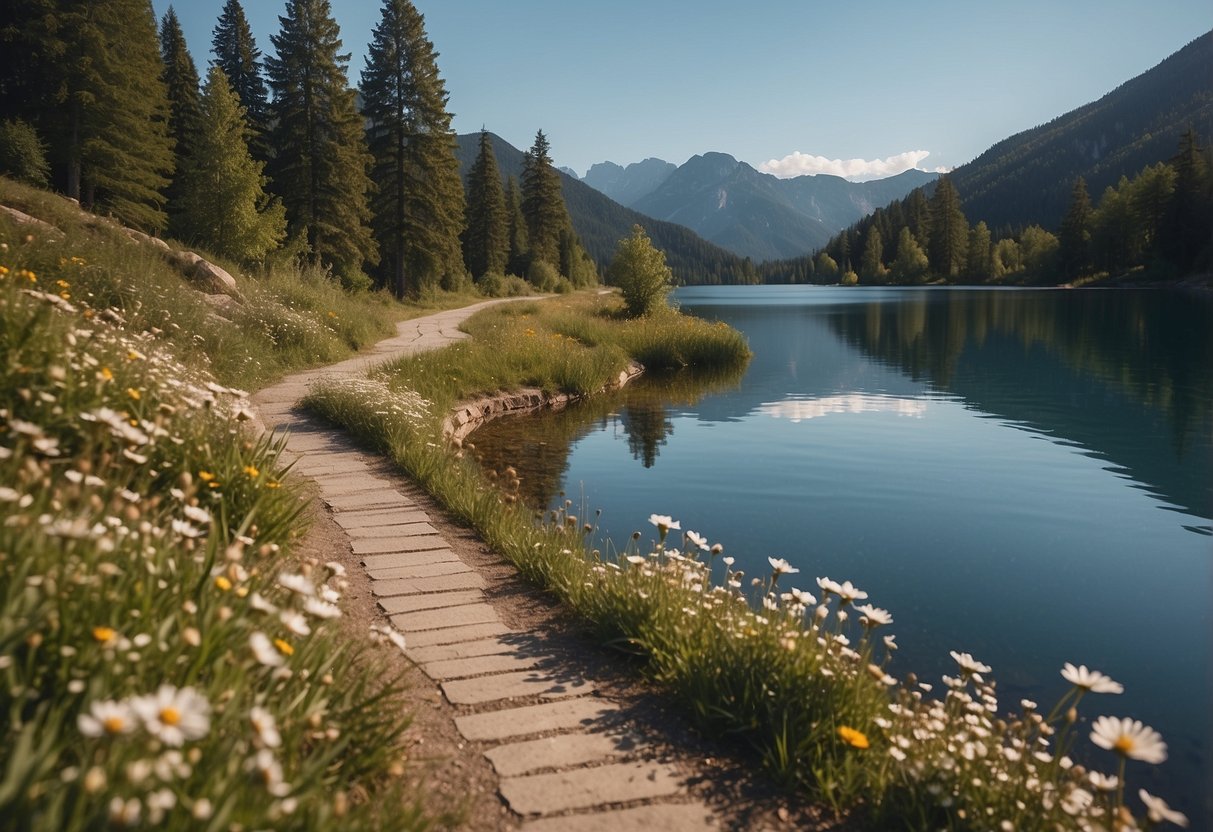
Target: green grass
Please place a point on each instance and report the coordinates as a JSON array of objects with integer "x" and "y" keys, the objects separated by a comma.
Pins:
[
  {"x": 800, "y": 676},
  {"x": 166, "y": 659}
]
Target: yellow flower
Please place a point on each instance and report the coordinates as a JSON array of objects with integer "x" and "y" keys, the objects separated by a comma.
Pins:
[
  {"x": 251, "y": 471},
  {"x": 62, "y": 284},
  {"x": 104, "y": 634},
  {"x": 133, "y": 393},
  {"x": 134, "y": 355},
  {"x": 223, "y": 583},
  {"x": 205, "y": 476},
  {"x": 273, "y": 484},
  {"x": 106, "y": 374},
  {"x": 853, "y": 738},
  {"x": 284, "y": 647},
  {"x": 3, "y": 271}
]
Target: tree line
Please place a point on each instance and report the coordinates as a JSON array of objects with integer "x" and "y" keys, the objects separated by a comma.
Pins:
[
  {"x": 275, "y": 155},
  {"x": 1157, "y": 223}
]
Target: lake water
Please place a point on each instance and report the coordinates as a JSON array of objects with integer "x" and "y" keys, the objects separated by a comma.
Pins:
[{"x": 1023, "y": 475}]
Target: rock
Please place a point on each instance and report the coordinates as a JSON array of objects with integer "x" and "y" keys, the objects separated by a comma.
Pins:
[
  {"x": 140, "y": 237},
  {"x": 207, "y": 272},
  {"x": 22, "y": 218},
  {"x": 225, "y": 304}
]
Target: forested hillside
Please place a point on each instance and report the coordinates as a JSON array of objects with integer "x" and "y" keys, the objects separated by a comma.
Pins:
[
  {"x": 601, "y": 223},
  {"x": 1026, "y": 179}
]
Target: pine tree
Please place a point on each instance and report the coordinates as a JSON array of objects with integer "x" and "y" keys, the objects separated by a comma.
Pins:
[
  {"x": 321, "y": 162},
  {"x": 918, "y": 217},
  {"x": 949, "y": 230},
  {"x": 871, "y": 268},
  {"x": 118, "y": 149},
  {"x": 236, "y": 53},
  {"x": 542, "y": 203},
  {"x": 1186, "y": 232},
  {"x": 486, "y": 240},
  {"x": 1075, "y": 232},
  {"x": 181, "y": 79},
  {"x": 223, "y": 202},
  {"x": 979, "y": 267},
  {"x": 419, "y": 205},
  {"x": 519, "y": 248}
]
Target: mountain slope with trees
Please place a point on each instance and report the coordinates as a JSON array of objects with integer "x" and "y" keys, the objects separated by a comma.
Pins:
[
  {"x": 601, "y": 223},
  {"x": 1027, "y": 178}
]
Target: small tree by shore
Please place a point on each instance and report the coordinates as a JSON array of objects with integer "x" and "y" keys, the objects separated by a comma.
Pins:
[{"x": 641, "y": 273}]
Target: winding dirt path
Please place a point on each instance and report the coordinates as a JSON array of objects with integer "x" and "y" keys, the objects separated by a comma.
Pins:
[{"x": 572, "y": 744}]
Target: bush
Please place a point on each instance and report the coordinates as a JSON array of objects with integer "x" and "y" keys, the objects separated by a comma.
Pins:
[
  {"x": 496, "y": 285},
  {"x": 543, "y": 276},
  {"x": 850, "y": 279},
  {"x": 22, "y": 153},
  {"x": 639, "y": 270}
]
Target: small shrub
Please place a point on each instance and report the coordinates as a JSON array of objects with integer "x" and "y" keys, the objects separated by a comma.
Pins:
[
  {"x": 850, "y": 279},
  {"x": 640, "y": 272},
  {"x": 22, "y": 153},
  {"x": 543, "y": 276}
]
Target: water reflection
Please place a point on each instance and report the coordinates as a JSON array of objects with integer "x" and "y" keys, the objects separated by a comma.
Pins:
[{"x": 802, "y": 409}]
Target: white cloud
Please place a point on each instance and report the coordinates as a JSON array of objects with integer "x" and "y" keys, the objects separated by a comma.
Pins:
[{"x": 857, "y": 170}]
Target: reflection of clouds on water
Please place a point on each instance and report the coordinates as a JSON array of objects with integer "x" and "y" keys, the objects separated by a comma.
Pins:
[{"x": 799, "y": 410}]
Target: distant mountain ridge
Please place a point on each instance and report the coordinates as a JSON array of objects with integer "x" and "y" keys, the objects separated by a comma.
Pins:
[
  {"x": 1027, "y": 178},
  {"x": 601, "y": 223},
  {"x": 752, "y": 214}
]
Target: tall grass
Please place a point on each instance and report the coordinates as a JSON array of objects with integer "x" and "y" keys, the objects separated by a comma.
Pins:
[
  {"x": 797, "y": 673},
  {"x": 165, "y": 660}
]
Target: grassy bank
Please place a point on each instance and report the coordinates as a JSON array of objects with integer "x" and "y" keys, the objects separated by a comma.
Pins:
[
  {"x": 166, "y": 660},
  {"x": 794, "y": 668}
]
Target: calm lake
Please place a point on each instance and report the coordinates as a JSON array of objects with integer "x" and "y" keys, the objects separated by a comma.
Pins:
[{"x": 1023, "y": 475}]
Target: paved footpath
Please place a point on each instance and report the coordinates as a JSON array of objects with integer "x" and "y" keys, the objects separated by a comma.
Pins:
[{"x": 568, "y": 758}]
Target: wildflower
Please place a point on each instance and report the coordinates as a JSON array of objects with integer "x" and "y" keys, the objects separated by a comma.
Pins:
[
  {"x": 269, "y": 771},
  {"x": 390, "y": 633},
  {"x": 848, "y": 593},
  {"x": 636, "y": 560},
  {"x": 827, "y": 586},
  {"x": 852, "y": 737},
  {"x": 1104, "y": 782},
  {"x": 197, "y": 515},
  {"x": 104, "y": 634},
  {"x": 263, "y": 650},
  {"x": 874, "y": 616},
  {"x": 321, "y": 609},
  {"x": 664, "y": 523},
  {"x": 1091, "y": 680},
  {"x": 969, "y": 664},
  {"x": 125, "y": 812},
  {"x": 1076, "y": 801},
  {"x": 265, "y": 726},
  {"x": 205, "y": 476},
  {"x": 106, "y": 717},
  {"x": 252, "y": 471},
  {"x": 1129, "y": 738},
  {"x": 203, "y": 809},
  {"x": 296, "y": 583},
  {"x": 284, "y": 647},
  {"x": 779, "y": 566},
  {"x": 134, "y": 394},
  {"x": 295, "y": 622},
  {"x": 698, "y": 539},
  {"x": 336, "y": 568},
  {"x": 1159, "y": 812},
  {"x": 222, "y": 582},
  {"x": 174, "y": 715}
]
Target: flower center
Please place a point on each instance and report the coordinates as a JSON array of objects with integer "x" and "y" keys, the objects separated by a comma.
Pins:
[
  {"x": 1123, "y": 745},
  {"x": 114, "y": 724},
  {"x": 170, "y": 716}
]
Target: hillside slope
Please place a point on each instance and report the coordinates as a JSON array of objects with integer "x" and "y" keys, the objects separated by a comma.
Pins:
[{"x": 1027, "y": 178}]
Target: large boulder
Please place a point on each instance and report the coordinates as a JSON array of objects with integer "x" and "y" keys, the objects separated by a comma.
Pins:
[
  {"x": 24, "y": 219},
  {"x": 206, "y": 275}
]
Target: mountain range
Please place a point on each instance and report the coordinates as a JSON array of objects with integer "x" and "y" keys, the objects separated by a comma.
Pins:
[{"x": 750, "y": 213}]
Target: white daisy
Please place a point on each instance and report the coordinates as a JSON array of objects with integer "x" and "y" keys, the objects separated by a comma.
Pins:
[
  {"x": 1160, "y": 812},
  {"x": 664, "y": 523},
  {"x": 1129, "y": 738},
  {"x": 296, "y": 583},
  {"x": 874, "y": 616},
  {"x": 1104, "y": 782},
  {"x": 265, "y": 726},
  {"x": 321, "y": 609},
  {"x": 827, "y": 586},
  {"x": 781, "y": 567},
  {"x": 264, "y": 650},
  {"x": 969, "y": 664},
  {"x": 848, "y": 593},
  {"x": 295, "y": 622},
  {"x": 106, "y": 717},
  {"x": 1091, "y": 680},
  {"x": 698, "y": 539},
  {"x": 174, "y": 715}
]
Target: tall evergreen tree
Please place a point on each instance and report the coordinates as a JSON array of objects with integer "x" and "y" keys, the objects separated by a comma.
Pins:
[
  {"x": 979, "y": 267},
  {"x": 419, "y": 205},
  {"x": 917, "y": 212},
  {"x": 871, "y": 265},
  {"x": 1186, "y": 232},
  {"x": 1075, "y": 233},
  {"x": 223, "y": 203},
  {"x": 236, "y": 53},
  {"x": 181, "y": 79},
  {"x": 321, "y": 162},
  {"x": 519, "y": 248},
  {"x": 542, "y": 202},
  {"x": 486, "y": 240},
  {"x": 949, "y": 230}
]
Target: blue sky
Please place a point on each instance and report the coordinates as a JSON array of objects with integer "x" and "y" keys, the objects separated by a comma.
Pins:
[{"x": 876, "y": 83}]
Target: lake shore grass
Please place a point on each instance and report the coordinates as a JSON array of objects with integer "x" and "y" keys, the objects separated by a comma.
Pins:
[
  {"x": 168, "y": 660},
  {"x": 797, "y": 674}
]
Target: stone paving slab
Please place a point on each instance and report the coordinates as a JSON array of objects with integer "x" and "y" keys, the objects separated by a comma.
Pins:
[
  {"x": 534, "y": 719},
  {"x": 546, "y": 794},
  {"x": 439, "y": 583},
  {"x": 416, "y": 603},
  {"x": 349, "y": 520},
  {"x": 411, "y": 622},
  {"x": 401, "y": 560},
  {"x": 480, "y": 665},
  {"x": 667, "y": 817},
  {"x": 421, "y": 570},
  {"x": 373, "y": 499},
  {"x": 394, "y": 530},
  {"x": 450, "y": 635},
  {"x": 319, "y": 465},
  {"x": 411, "y": 543},
  {"x": 517, "y": 685},
  {"x": 346, "y": 487},
  {"x": 464, "y": 650},
  {"x": 560, "y": 751}
]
